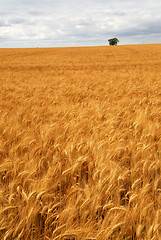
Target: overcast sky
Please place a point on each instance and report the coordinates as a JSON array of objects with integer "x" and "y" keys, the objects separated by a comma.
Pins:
[{"x": 58, "y": 23}]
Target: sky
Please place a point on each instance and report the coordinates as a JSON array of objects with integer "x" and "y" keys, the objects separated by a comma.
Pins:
[{"x": 70, "y": 23}]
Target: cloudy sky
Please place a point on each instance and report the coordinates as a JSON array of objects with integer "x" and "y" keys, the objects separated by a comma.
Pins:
[{"x": 58, "y": 23}]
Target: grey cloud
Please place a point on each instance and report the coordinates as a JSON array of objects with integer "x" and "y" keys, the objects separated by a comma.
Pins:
[
  {"x": 3, "y": 38},
  {"x": 17, "y": 21},
  {"x": 3, "y": 24},
  {"x": 4, "y": 13},
  {"x": 144, "y": 29},
  {"x": 83, "y": 23},
  {"x": 152, "y": 27},
  {"x": 20, "y": 21},
  {"x": 35, "y": 13}
]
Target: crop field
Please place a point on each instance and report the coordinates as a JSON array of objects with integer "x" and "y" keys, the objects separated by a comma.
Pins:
[{"x": 80, "y": 143}]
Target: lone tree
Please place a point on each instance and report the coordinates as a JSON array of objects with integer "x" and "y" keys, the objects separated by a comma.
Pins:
[{"x": 113, "y": 41}]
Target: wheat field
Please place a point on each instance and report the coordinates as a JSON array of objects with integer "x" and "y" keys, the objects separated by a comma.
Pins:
[{"x": 80, "y": 143}]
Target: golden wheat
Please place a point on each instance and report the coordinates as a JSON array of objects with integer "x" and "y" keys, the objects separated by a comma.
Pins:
[{"x": 80, "y": 143}]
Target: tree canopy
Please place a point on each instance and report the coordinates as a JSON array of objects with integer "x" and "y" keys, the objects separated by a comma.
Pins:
[{"x": 113, "y": 41}]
